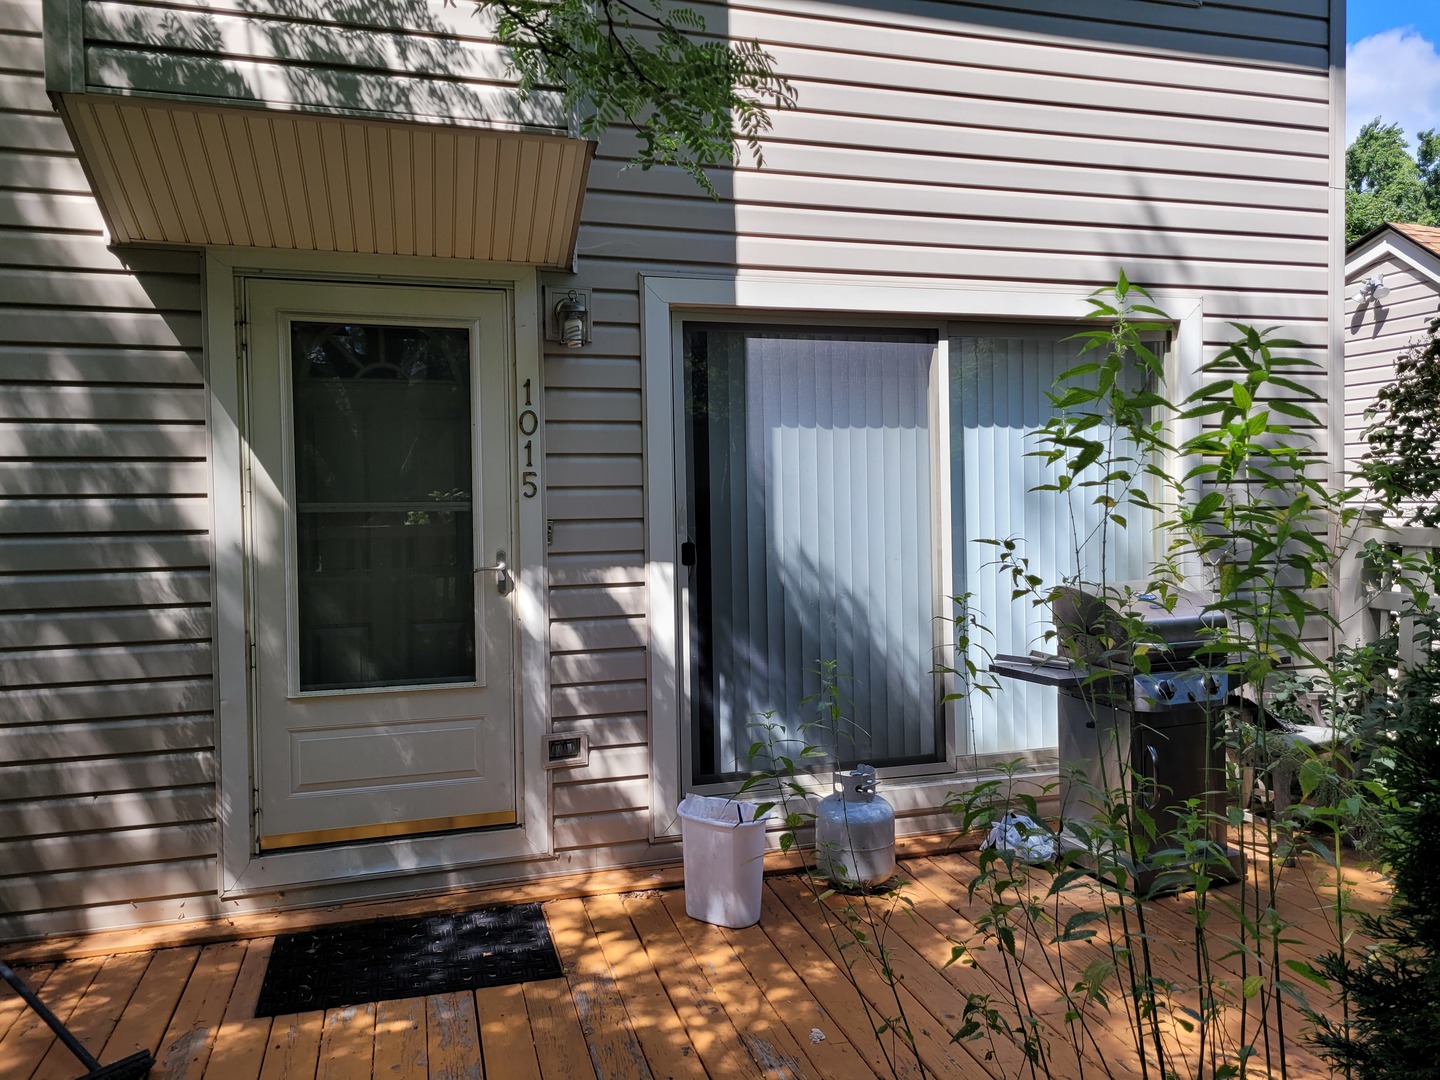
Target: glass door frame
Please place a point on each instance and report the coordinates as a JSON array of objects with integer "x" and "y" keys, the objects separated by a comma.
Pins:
[{"x": 758, "y": 296}]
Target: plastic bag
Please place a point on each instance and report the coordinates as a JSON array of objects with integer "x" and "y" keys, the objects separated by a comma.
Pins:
[{"x": 1020, "y": 834}]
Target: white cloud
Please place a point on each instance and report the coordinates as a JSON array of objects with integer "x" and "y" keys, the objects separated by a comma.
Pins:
[{"x": 1395, "y": 75}]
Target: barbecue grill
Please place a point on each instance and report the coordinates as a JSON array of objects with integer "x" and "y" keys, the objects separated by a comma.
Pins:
[{"x": 1148, "y": 725}]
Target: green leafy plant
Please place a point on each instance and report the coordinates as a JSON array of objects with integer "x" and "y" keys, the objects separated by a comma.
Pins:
[
  {"x": 1248, "y": 508},
  {"x": 1393, "y": 983}
]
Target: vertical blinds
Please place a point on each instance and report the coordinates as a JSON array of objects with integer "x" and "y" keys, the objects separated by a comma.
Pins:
[
  {"x": 811, "y": 504},
  {"x": 999, "y": 395}
]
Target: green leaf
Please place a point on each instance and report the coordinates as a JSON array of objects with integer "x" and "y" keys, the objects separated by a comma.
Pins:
[
  {"x": 1305, "y": 971},
  {"x": 1312, "y": 775},
  {"x": 1253, "y": 985},
  {"x": 1289, "y": 408},
  {"x": 692, "y": 100}
]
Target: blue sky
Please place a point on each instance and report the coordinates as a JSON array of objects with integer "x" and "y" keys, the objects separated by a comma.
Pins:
[{"x": 1392, "y": 60}]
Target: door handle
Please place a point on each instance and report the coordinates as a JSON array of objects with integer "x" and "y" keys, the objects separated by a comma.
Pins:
[{"x": 503, "y": 581}]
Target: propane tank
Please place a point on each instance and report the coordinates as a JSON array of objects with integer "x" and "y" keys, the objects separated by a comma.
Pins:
[{"x": 855, "y": 831}]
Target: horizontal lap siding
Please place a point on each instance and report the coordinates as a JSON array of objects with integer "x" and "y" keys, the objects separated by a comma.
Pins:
[
  {"x": 1027, "y": 144},
  {"x": 598, "y": 662},
  {"x": 1024, "y": 145},
  {"x": 1377, "y": 334},
  {"x": 426, "y": 61},
  {"x": 107, "y": 725}
]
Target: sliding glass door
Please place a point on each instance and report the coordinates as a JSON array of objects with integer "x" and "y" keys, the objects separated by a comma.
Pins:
[
  {"x": 837, "y": 486},
  {"x": 812, "y": 518},
  {"x": 1000, "y": 384}
]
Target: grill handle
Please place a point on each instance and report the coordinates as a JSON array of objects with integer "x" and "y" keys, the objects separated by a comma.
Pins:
[{"x": 1151, "y": 782}]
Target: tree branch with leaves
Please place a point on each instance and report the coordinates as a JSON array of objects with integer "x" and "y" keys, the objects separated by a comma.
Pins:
[{"x": 694, "y": 99}]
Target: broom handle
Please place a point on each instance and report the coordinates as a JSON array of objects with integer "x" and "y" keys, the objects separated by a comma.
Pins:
[{"x": 45, "y": 1014}]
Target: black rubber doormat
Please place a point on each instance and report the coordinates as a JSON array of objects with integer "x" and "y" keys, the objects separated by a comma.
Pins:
[{"x": 403, "y": 958}]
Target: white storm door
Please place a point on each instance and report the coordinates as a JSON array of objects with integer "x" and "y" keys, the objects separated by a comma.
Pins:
[{"x": 379, "y": 506}]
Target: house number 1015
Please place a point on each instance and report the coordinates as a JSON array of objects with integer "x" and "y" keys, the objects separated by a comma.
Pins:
[{"x": 528, "y": 423}]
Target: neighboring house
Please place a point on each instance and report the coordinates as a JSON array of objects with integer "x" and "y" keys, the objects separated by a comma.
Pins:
[
  {"x": 315, "y": 536},
  {"x": 1383, "y": 321}
]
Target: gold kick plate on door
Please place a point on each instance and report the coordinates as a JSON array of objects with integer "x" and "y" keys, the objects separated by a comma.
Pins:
[{"x": 380, "y": 831}]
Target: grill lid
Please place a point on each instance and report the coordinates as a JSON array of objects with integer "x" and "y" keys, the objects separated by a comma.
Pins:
[{"x": 1095, "y": 629}]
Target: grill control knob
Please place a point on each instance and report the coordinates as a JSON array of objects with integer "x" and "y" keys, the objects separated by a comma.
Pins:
[
  {"x": 1166, "y": 689},
  {"x": 1210, "y": 684}
]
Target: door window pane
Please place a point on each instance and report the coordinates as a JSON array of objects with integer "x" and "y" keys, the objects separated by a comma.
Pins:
[
  {"x": 384, "y": 509},
  {"x": 810, "y": 506}
]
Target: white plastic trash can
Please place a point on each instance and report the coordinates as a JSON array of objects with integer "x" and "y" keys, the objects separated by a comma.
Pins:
[{"x": 724, "y": 860}]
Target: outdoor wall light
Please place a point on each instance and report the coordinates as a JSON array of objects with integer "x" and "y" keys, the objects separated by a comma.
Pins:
[
  {"x": 1374, "y": 289},
  {"x": 573, "y": 319}
]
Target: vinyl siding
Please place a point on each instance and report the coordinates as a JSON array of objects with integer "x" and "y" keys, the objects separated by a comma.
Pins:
[
  {"x": 1377, "y": 335},
  {"x": 106, "y": 729},
  {"x": 421, "y": 61},
  {"x": 1031, "y": 147},
  {"x": 1028, "y": 145}
]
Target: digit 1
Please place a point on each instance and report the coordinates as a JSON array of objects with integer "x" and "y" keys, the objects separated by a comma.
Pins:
[
  {"x": 529, "y": 456},
  {"x": 527, "y": 393}
]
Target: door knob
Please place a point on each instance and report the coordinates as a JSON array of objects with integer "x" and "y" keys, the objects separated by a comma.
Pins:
[{"x": 503, "y": 582}]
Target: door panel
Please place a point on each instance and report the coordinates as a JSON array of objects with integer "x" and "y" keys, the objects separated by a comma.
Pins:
[{"x": 380, "y": 466}]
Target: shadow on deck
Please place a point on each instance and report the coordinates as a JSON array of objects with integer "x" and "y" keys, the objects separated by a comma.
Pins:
[{"x": 650, "y": 993}]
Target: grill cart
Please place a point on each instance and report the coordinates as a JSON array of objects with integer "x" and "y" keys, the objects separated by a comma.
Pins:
[{"x": 1153, "y": 731}]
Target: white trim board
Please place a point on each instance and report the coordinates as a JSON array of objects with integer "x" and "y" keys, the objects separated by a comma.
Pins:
[
  {"x": 1402, "y": 249},
  {"x": 661, "y": 297},
  {"x": 242, "y": 872}
]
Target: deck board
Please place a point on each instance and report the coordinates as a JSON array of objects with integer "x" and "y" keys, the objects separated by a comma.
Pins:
[
  {"x": 452, "y": 1037},
  {"x": 186, "y": 1045},
  {"x": 347, "y": 1044},
  {"x": 766, "y": 1037},
  {"x": 559, "y": 1041},
  {"x": 648, "y": 993},
  {"x": 711, "y": 1032},
  {"x": 147, "y": 1014},
  {"x": 96, "y": 1014},
  {"x": 614, "y": 1048},
  {"x": 294, "y": 1049},
  {"x": 12, "y": 1006},
  {"x": 507, "y": 1043},
  {"x": 240, "y": 1043},
  {"x": 825, "y": 1042},
  {"x": 939, "y": 926},
  {"x": 28, "y": 1041},
  {"x": 402, "y": 1050},
  {"x": 931, "y": 1015},
  {"x": 831, "y": 989},
  {"x": 662, "y": 1035}
]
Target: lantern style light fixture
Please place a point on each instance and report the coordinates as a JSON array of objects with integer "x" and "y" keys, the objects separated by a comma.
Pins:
[{"x": 573, "y": 320}]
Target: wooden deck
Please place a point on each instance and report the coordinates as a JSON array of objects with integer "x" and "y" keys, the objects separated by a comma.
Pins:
[{"x": 647, "y": 993}]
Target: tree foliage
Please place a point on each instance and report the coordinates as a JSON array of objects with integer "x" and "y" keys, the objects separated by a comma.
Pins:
[
  {"x": 693, "y": 98},
  {"x": 1384, "y": 183},
  {"x": 1394, "y": 983}
]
